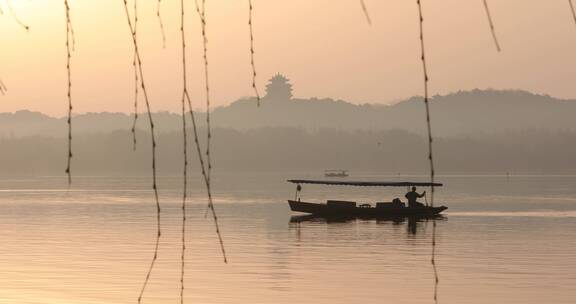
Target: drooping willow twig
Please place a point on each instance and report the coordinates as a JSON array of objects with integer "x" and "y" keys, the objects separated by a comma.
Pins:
[
  {"x": 183, "y": 251},
  {"x": 433, "y": 261},
  {"x": 365, "y": 10},
  {"x": 202, "y": 14},
  {"x": 15, "y": 16},
  {"x": 492, "y": 30},
  {"x": 430, "y": 155},
  {"x": 185, "y": 145},
  {"x": 153, "y": 139},
  {"x": 206, "y": 166},
  {"x": 70, "y": 41},
  {"x": 136, "y": 79},
  {"x": 159, "y": 16},
  {"x": 572, "y": 9},
  {"x": 426, "y": 100},
  {"x": 3, "y": 87},
  {"x": 205, "y": 177},
  {"x": 250, "y": 25}
]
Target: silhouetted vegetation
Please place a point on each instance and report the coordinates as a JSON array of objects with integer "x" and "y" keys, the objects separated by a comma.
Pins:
[
  {"x": 15, "y": 16},
  {"x": 3, "y": 87},
  {"x": 457, "y": 114},
  {"x": 136, "y": 78},
  {"x": 152, "y": 143},
  {"x": 252, "y": 64},
  {"x": 491, "y": 23},
  {"x": 298, "y": 150},
  {"x": 572, "y": 9},
  {"x": 426, "y": 103},
  {"x": 69, "y": 47},
  {"x": 160, "y": 22},
  {"x": 206, "y": 166},
  {"x": 185, "y": 150},
  {"x": 365, "y": 10}
]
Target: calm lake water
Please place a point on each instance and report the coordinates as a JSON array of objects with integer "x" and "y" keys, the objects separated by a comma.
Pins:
[{"x": 504, "y": 240}]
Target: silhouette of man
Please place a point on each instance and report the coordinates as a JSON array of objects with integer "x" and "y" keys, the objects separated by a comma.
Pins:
[{"x": 412, "y": 196}]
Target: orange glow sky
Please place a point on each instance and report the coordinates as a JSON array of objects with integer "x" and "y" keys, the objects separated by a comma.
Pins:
[{"x": 324, "y": 46}]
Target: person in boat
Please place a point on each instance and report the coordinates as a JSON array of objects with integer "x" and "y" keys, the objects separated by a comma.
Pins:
[{"x": 412, "y": 196}]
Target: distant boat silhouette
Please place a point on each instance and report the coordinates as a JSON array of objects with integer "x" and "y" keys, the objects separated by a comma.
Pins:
[
  {"x": 338, "y": 208},
  {"x": 336, "y": 173}
]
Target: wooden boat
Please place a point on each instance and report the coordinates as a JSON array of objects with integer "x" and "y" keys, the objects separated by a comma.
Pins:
[
  {"x": 336, "y": 173},
  {"x": 332, "y": 208},
  {"x": 363, "y": 210}
]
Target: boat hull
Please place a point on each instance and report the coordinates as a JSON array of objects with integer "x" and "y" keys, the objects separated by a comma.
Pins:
[{"x": 372, "y": 212}]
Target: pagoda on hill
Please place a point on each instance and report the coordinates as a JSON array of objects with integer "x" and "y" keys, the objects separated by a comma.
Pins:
[{"x": 279, "y": 88}]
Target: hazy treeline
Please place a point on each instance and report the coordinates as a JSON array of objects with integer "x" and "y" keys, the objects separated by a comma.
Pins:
[
  {"x": 467, "y": 112},
  {"x": 478, "y": 131},
  {"x": 294, "y": 149}
]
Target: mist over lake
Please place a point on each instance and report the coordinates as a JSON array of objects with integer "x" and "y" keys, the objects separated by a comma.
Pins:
[{"x": 501, "y": 237}]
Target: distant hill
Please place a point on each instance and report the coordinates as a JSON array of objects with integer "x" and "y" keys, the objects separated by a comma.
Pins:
[
  {"x": 26, "y": 123},
  {"x": 469, "y": 112},
  {"x": 461, "y": 113},
  {"x": 478, "y": 131}
]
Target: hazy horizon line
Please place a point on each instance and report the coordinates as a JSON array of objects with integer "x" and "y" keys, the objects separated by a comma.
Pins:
[{"x": 390, "y": 103}]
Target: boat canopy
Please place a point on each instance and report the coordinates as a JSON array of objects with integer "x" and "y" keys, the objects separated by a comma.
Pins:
[{"x": 363, "y": 184}]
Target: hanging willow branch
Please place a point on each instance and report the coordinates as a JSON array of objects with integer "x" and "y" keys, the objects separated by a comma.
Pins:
[
  {"x": 206, "y": 166},
  {"x": 185, "y": 145},
  {"x": 15, "y": 16},
  {"x": 491, "y": 26},
  {"x": 3, "y": 88},
  {"x": 573, "y": 11},
  {"x": 430, "y": 158},
  {"x": 365, "y": 10},
  {"x": 250, "y": 25},
  {"x": 183, "y": 250},
  {"x": 153, "y": 139},
  {"x": 433, "y": 261},
  {"x": 205, "y": 177},
  {"x": 159, "y": 16},
  {"x": 426, "y": 100},
  {"x": 69, "y": 47},
  {"x": 136, "y": 79},
  {"x": 202, "y": 14}
]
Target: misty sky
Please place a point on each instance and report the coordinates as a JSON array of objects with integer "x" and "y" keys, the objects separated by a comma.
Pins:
[{"x": 324, "y": 46}]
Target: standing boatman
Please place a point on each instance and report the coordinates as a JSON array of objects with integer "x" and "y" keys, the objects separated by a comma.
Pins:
[{"x": 412, "y": 196}]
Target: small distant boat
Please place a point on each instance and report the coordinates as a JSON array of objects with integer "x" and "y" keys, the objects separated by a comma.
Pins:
[
  {"x": 336, "y": 173},
  {"x": 336, "y": 208}
]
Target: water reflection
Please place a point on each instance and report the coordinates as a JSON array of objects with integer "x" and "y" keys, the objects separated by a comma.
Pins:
[
  {"x": 414, "y": 226},
  {"x": 433, "y": 262},
  {"x": 93, "y": 246}
]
